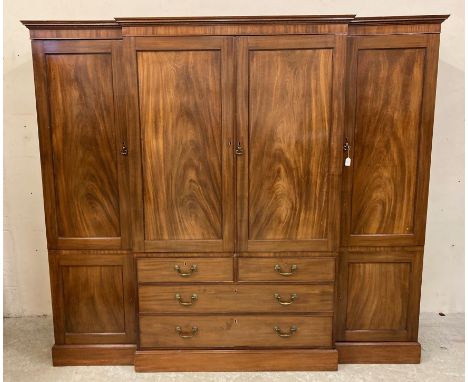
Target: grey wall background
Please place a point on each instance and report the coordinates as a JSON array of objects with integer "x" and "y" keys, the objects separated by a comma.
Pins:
[{"x": 26, "y": 281}]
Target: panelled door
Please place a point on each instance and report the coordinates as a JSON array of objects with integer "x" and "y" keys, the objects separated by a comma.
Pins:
[
  {"x": 185, "y": 191},
  {"x": 390, "y": 105},
  {"x": 290, "y": 106},
  {"x": 81, "y": 132}
]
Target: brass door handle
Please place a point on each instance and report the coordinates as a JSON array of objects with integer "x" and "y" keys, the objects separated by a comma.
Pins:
[
  {"x": 291, "y": 299},
  {"x": 186, "y": 334},
  {"x": 292, "y": 331},
  {"x": 290, "y": 273},
  {"x": 190, "y": 303},
  {"x": 181, "y": 273}
]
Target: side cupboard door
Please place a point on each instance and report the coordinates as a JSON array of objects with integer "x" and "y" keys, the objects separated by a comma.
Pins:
[
  {"x": 390, "y": 105},
  {"x": 290, "y": 107},
  {"x": 184, "y": 196},
  {"x": 81, "y": 133}
]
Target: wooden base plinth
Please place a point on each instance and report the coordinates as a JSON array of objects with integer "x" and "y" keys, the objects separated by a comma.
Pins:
[
  {"x": 379, "y": 352},
  {"x": 236, "y": 360},
  {"x": 91, "y": 355}
]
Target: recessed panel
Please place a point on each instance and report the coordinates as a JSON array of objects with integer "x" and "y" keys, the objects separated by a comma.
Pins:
[
  {"x": 290, "y": 94},
  {"x": 386, "y": 140},
  {"x": 93, "y": 299},
  {"x": 378, "y": 295},
  {"x": 181, "y": 127},
  {"x": 83, "y": 144}
]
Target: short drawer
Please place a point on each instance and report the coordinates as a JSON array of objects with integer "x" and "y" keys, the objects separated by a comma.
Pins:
[
  {"x": 180, "y": 269},
  {"x": 287, "y": 269},
  {"x": 199, "y": 298},
  {"x": 235, "y": 331}
]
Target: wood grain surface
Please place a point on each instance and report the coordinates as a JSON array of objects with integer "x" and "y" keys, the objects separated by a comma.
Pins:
[
  {"x": 93, "y": 297},
  {"x": 232, "y": 331},
  {"x": 388, "y": 112},
  {"x": 235, "y": 298},
  {"x": 83, "y": 143},
  {"x": 378, "y": 295},
  {"x": 289, "y": 143},
  {"x": 180, "y": 112}
]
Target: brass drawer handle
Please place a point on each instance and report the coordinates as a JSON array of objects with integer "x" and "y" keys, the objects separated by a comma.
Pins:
[
  {"x": 181, "y": 273},
  {"x": 291, "y": 299},
  {"x": 185, "y": 335},
  {"x": 292, "y": 331},
  {"x": 190, "y": 303},
  {"x": 290, "y": 273}
]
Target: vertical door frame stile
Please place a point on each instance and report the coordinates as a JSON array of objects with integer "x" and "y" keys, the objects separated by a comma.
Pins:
[
  {"x": 134, "y": 143},
  {"x": 337, "y": 130},
  {"x": 242, "y": 137},
  {"x": 341, "y": 69},
  {"x": 228, "y": 164},
  {"x": 330, "y": 243},
  {"x": 43, "y": 120},
  {"x": 121, "y": 137},
  {"x": 224, "y": 44}
]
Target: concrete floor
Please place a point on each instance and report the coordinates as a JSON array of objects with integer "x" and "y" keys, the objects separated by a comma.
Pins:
[{"x": 27, "y": 343}]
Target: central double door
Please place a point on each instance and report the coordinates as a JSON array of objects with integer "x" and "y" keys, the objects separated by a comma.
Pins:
[{"x": 237, "y": 142}]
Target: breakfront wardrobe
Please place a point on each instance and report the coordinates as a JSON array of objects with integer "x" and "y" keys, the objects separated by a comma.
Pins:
[{"x": 236, "y": 193}]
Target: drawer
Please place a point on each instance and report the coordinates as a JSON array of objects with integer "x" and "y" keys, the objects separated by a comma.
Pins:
[
  {"x": 287, "y": 269},
  {"x": 235, "y": 331},
  {"x": 235, "y": 298},
  {"x": 180, "y": 269}
]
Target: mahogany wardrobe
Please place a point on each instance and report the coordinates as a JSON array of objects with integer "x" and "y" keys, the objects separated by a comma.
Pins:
[{"x": 236, "y": 193}]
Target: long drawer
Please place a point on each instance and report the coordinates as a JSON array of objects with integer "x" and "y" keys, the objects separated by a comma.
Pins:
[
  {"x": 199, "y": 298},
  {"x": 184, "y": 269},
  {"x": 287, "y": 269},
  {"x": 235, "y": 331}
]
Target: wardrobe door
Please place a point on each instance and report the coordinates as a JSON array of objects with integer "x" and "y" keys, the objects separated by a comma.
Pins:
[
  {"x": 290, "y": 107},
  {"x": 390, "y": 104},
  {"x": 81, "y": 132},
  {"x": 184, "y": 195}
]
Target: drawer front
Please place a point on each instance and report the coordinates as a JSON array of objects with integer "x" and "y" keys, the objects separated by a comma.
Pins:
[
  {"x": 235, "y": 298},
  {"x": 287, "y": 269},
  {"x": 235, "y": 331},
  {"x": 180, "y": 269}
]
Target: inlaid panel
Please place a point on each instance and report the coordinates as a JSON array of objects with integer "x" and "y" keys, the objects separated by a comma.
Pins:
[{"x": 83, "y": 143}]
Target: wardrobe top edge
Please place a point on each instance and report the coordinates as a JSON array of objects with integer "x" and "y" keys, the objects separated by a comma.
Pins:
[{"x": 303, "y": 19}]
